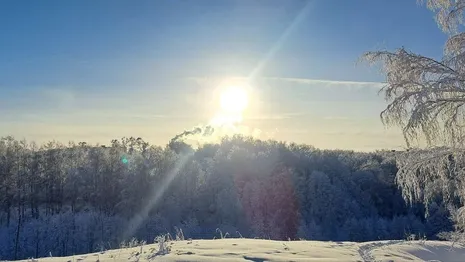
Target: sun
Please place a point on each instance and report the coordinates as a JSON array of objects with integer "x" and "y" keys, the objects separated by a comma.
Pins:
[{"x": 234, "y": 99}]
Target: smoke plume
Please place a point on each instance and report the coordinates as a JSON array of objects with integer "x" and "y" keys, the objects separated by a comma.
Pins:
[{"x": 204, "y": 131}]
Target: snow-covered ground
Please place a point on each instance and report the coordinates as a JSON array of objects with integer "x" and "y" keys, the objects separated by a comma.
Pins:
[{"x": 267, "y": 250}]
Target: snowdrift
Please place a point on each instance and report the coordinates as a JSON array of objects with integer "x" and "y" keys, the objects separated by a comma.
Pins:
[{"x": 268, "y": 250}]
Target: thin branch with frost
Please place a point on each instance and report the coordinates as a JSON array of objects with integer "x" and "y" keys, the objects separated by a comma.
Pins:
[
  {"x": 425, "y": 96},
  {"x": 449, "y": 13},
  {"x": 425, "y": 173}
]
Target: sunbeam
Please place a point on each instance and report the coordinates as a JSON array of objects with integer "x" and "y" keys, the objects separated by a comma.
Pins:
[
  {"x": 281, "y": 40},
  {"x": 155, "y": 196}
]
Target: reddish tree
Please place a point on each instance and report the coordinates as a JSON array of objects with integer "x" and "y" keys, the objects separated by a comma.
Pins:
[{"x": 269, "y": 203}]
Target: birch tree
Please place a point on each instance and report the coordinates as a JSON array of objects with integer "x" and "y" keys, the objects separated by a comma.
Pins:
[{"x": 426, "y": 98}]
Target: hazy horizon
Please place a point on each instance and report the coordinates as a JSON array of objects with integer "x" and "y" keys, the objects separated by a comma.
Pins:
[{"x": 96, "y": 71}]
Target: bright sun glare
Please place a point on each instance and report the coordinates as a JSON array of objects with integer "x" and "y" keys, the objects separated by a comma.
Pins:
[{"x": 234, "y": 100}]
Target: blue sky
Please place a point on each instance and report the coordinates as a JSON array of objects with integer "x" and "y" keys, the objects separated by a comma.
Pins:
[{"x": 97, "y": 70}]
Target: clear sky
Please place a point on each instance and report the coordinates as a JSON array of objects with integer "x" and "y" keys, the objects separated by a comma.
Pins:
[{"x": 94, "y": 70}]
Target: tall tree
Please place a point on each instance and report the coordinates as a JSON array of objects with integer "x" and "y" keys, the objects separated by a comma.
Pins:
[{"x": 426, "y": 98}]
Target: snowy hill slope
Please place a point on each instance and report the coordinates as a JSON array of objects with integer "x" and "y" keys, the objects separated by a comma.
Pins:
[{"x": 267, "y": 250}]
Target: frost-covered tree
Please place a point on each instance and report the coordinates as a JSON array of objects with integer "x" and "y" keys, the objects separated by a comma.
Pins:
[
  {"x": 426, "y": 98},
  {"x": 425, "y": 95}
]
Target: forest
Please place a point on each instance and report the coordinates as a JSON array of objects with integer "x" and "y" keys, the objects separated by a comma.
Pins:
[{"x": 77, "y": 198}]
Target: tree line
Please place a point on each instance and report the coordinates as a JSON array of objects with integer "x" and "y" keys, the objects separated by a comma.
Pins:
[{"x": 77, "y": 198}]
